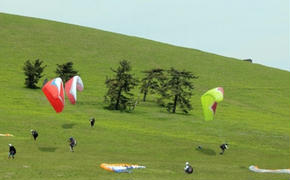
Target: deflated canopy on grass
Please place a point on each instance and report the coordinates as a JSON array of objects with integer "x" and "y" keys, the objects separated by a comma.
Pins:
[
  {"x": 71, "y": 87},
  {"x": 209, "y": 102},
  {"x": 54, "y": 93},
  {"x": 118, "y": 168}
]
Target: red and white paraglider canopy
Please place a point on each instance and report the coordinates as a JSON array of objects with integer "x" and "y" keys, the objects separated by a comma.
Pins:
[
  {"x": 54, "y": 93},
  {"x": 71, "y": 87}
]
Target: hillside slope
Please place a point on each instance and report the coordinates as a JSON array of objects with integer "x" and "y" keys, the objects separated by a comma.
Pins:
[{"x": 253, "y": 118}]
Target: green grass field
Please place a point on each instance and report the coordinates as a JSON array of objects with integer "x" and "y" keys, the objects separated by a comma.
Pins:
[{"x": 253, "y": 118}]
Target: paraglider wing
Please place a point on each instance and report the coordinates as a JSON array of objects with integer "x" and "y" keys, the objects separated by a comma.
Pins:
[
  {"x": 71, "y": 87},
  {"x": 7, "y": 135},
  {"x": 54, "y": 93},
  {"x": 209, "y": 101},
  {"x": 208, "y": 107},
  {"x": 118, "y": 168},
  {"x": 257, "y": 169}
]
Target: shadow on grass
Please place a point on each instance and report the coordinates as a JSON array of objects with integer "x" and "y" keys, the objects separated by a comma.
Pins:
[
  {"x": 207, "y": 151},
  {"x": 244, "y": 167},
  {"x": 182, "y": 114},
  {"x": 47, "y": 149},
  {"x": 68, "y": 126},
  {"x": 88, "y": 103}
]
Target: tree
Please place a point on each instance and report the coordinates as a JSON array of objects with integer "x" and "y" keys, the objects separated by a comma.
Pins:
[
  {"x": 33, "y": 72},
  {"x": 65, "y": 71},
  {"x": 119, "y": 87},
  {"x": 178, "y": 89},
  {"x": 152, "y": 82}
]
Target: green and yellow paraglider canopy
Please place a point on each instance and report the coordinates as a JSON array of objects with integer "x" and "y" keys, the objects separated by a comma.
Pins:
[{"x": 209, "y": 102}]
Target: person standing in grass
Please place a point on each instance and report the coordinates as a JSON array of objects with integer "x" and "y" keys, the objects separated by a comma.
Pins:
[
  {"x": 72, "y": 143},
  {"x": 223, "y": 148},
  {"x": 92, "y": 121},
  {"x": 12, "y": 151},
  {"x": 34, "y": 133}
]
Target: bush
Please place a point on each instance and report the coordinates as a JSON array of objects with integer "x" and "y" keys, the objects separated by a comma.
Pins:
[{"x": 33, "y": 72}]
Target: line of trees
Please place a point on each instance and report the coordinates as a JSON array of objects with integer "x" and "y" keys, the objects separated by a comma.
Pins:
[
  {"x": 174, "y": 88},
  {"x": 33, "y": 70}
]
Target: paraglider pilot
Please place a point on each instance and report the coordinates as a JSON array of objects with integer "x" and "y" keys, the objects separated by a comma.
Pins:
[
  {"x": 188, "y": 169},
  {"x": 34, "y": 133},
  {"x": 72, "y": 143},
  {"x": 92, "y": 121},
  {"x": 223, "y": 148},
  {"x": 12, "y": 151}
]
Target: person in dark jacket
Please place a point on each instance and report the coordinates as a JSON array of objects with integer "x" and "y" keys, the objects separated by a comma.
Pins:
[
  {"x": 12, "y": 151},
  {"x": 188, "y": 169},
  {"x": 72, "y": 143},
  {"x": 92, "y": 121},
  {"x": 223, "y": 148},
  {"x": 34, "y": 133}
]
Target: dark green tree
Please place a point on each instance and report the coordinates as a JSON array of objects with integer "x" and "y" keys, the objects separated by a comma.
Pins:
[
  {"x": 152, "y": 82},
  {"x": 65, "y": 71},
  {"x": 119, "y": 87},
  {"x": 33, "y": 72},
  {"x": 178, "y": 89}
]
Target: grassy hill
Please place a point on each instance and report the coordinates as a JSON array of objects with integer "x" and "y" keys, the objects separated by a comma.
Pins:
[{"x": 253, "y": 118}]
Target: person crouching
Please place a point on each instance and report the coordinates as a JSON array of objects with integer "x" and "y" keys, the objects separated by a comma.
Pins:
[
  {"x": 188, "y": 169},
  {"x": 223, "y": 148}
]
